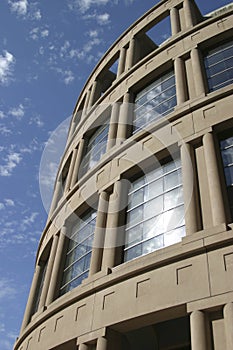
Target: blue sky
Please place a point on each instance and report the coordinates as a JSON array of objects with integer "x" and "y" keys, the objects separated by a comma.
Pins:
[{"x": 47, "y": 50}]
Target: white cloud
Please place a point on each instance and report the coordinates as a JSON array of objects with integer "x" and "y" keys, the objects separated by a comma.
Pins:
[
  {"x": 9, "y": 202},
  {"x": 103, "y": 19},
  {"x": 93, "y": 33},
  {"x": 5, "y": 130},
  {"x": 20, "y": 7},
  {"x": 2, "y": 115},
  {"x": 85, "y": 5},
  {"x": 17, "y": 112},
  {"x": 7, "y": 62},
  {"x": 28, "y": 220},
  {"x": 44, "y": 33},
  {"x": 34, "y": 33},
  {"x": 37, "y": 120},
  {"x": 67, "y": 75},
  {"x": 11, "y": 161},
  {"x": 6, "y": 289},
  {"x": 37, "y": 33},
  {"x": 2, "y": 206}
]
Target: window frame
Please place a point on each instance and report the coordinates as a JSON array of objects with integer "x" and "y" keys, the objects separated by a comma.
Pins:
[
  {"x": 175, "y": 169},
  {"x": 218, "y": 49},
  {"x": 156, "y": 83},
  {"x": 71, "y": 260}
]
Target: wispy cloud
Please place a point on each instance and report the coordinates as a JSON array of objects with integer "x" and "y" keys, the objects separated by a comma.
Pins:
[
  {"x": 7, "y": 63},
  {"x": 66, "y": 75},
  {"x": 37, "y": 33},
  {"x": 24, "y": 9},
  {"x": 7, "y": 203},
  {"x": 37, "y": 121},
  {"x": 103, "y": 19},
  {"x": 85, "y": 5},
  {"x": 19, "y": 7},
  {"x": 4, "y": 130},
  {"x": 17, "y": 112},
  {"x": 11, "y": 161},
  {"x": 7, "y": 291}
]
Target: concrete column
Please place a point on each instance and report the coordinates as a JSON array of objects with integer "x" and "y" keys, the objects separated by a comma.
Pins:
[
  {"x": 31, "y": 297},
  {"x": 122, "y": 59},
  {"x": 181, "y": 83},
  {"x": 188, "y": 13},
  {"x": 77, "y": 163},
  {"x": 197, "y": 72},
  {"x": 56, "y": 267},
  {"x": 93, "y": 93},
  {"x": 97, "y": 250},
  {"x": 125, "y": 119},
  {"x": 72, "y": 128},
  {"x": 175, "y": 20},
  {"x": 102, "y": 343},
  {"x": 48, "y": 273},
  {"x": 56, "y": 196},
  {"x": 131, "y": 53},
  {"x": 188, "y": 178},
  {"x": 216, "y": 197},
  {"x": 115, "y": 229},
  {"x": 71, "y": 169},
  {"x": 112, "y": 134},
  {"x": 198, "y": 332},
  {"x": 83, "y": 347},
  {"x": 228, "y": 322},
  {"x": 87, "y": 98}
]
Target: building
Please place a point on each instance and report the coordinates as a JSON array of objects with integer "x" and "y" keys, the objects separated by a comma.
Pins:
[{"x": 137, "y": 252}]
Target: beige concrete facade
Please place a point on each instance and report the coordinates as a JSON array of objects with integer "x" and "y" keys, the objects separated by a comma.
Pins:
[{"x": 176, "y": 297}]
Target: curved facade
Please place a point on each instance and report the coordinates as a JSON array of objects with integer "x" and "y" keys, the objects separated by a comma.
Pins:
[{"x": 137, "y": 251}]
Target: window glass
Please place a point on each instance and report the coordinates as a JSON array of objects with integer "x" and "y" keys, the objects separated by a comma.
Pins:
[
  {"x": 226, "y": 147},
  {"x": 157, "y": 217},
  {"x": 155, "y": 101},
  {"x": 219, "y": 66},
  {"x": 79, "y": 252},
  {"x": 96, "y": 148}
]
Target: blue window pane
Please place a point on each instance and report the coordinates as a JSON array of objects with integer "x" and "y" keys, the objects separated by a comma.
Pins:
[
  {"x": 79, "y": 252},
  {"x": 155, "y": 101},
  {"x": 219, "y": 66},
  {"x": 160, "y": 210}
]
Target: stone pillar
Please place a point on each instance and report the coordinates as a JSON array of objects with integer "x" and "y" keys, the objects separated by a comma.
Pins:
[
  {"x": 32, "y": 294},
  {"x": 72, "y": 128},
  {"x": 83, "y": 347},
  {"x": 71, "y": 169},
  {"x": 102, "y": 343},
  {"x": 56, "y": 266},
  {"x": 56, "y": 196},
  {"x": 77, "y": 162},
  {"x": 188, "y": 178},
  {"x": 197, "y": 72},
  {"x": 115, "y": 230},
  {"x": 198, "y": 331},
  {"x": 188, "y": 13},
  {"x": 93, "y": 93},
  {"x": 131, "y": 53},
  {"x": 122, "y": 59},
  {"x": 175, "y": 20},
  {"x": 125, "y": 119},
  {"x": 216, "y": 197},
  {"x": 181, "y": 83},
  {"x": 112, "y": 134},
  {"x": 86, "y": 103},
  {"x": 98, "y": 244},
  {"x": 228, "y": 322},
  {"x": 48, "y": 273}
]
